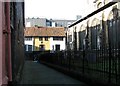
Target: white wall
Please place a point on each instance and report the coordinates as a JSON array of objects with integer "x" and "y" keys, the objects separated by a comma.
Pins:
[
  {"x": 53, "y": 43},
  {"x": 26, "y": 42},
  {"x": 53, "y": 24},
  {"x": 28, "y": 24}
]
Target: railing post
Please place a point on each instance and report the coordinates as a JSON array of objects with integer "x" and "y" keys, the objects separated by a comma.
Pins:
[
  {"x": 83, "y": 60},
  {"x": 109, "y": 64},
  {"x": 110, "y": 56},
  {"x": 69, "y": 58}
]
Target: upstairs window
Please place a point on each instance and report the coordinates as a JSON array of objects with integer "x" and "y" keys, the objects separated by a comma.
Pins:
[
  {"x": 70, "y": 38},
  {"x": 40, "y": 38},
  {"x": 28, "y": 38},
  {"x": 46, "y": 38},
  {"x": 58, "y": 38}
]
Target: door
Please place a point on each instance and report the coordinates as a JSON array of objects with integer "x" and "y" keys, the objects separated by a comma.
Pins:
[{"x": 57, "y": 47}]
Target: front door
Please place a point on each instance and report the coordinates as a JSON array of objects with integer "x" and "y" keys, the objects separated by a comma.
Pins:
[
  {"x": 57, "y": 47},
  {"x": 42, "y": 47}
]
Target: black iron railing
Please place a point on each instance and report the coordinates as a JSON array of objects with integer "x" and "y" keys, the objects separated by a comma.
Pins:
[{"x": 97, "y": 64}]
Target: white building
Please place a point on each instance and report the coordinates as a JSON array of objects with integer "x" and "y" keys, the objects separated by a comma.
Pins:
[
  {"x": 28, "y": 43},
  {"x": 102, "y": 11},
  {"x": 57, "y": 43}
]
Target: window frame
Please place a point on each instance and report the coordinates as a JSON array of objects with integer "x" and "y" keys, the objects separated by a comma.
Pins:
[
  {"x": 40, "y": 38},
  {"x": 46, "y": 38}
]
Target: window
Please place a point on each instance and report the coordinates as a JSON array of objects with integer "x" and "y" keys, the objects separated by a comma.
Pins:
[
  {"x": 29, "y": 47},
  {"x": 25, "y": 47},
  {"x": 93, "y": 37},
  {"x": 46, "y": 38},
  {"x": 82, "y": 40},
  {"x": 57, "y": 47},
  {"x": 28, "y": 38},
  {"x": 42, "y": 47},
  {"x": 113, "y": 33},
  {"x": 58, "y": 38},
  {"x": 40, "y": 38},
  {"x": 70, "y": 38},
  {"x": 48, "y": 23}
]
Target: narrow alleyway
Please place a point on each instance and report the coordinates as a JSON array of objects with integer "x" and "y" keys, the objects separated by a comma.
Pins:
[{"x": 36, "y": 73}]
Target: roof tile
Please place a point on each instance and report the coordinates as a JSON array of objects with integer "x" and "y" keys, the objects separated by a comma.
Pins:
[{"x": 44, "y": 31}]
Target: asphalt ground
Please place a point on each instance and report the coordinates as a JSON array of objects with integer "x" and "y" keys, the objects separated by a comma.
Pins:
[{"x": 36, "y": 73}]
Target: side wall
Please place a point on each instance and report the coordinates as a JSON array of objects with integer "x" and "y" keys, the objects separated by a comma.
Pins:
[
  {"x": 17, "y": 38},
  {"x": 3, "y": 71}
]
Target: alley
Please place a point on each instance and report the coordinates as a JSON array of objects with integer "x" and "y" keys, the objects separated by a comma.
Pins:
[{"x": 36, "y": 73}]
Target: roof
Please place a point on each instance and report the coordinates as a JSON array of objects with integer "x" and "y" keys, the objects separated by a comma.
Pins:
[{"x": 44, "y": 31}]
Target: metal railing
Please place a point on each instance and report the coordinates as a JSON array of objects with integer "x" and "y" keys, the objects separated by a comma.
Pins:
[{"x": 96, "y": 64}]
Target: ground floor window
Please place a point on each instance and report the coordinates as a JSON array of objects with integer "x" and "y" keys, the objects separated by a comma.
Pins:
[{"x": 29, "y": 47}]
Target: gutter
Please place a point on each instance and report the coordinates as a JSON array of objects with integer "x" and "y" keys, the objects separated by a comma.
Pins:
[
  {"x": 93, "y": 13},
  {"x": 9, "y": 41}
]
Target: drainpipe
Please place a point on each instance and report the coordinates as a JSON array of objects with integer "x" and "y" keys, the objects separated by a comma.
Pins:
[{"x": 9, "y": 41}]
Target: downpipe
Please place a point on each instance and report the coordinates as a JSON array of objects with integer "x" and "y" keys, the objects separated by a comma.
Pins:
[{"x": 9, "y": 41}]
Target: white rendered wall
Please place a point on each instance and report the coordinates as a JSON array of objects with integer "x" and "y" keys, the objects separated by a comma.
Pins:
[
  {"x": 53, "y": 43},
  {"x": 28, "y": 24},
  {"x": 27, "y": 42}
]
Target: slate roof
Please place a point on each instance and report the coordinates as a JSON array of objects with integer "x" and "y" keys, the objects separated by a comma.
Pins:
[{"x": 44, "y": 31}]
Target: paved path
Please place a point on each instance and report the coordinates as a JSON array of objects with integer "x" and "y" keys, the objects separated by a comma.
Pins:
[{"x": 36, "y": 73}]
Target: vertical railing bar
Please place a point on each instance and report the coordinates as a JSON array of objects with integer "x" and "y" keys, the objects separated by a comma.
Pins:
[
  {"x": 119, "y": 54},
  {"x": 116, "y": 46},
  {"x": 109, "y": 78}
]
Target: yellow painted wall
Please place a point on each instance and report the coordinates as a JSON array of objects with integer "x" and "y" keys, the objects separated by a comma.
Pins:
[
  {"x": 36, "y": 42},
  {"x": 43, "y": 42}
]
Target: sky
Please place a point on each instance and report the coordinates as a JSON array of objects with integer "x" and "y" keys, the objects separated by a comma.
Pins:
[{"x": 55, "y": 9}]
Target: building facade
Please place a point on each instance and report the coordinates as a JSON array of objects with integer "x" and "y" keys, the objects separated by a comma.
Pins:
[
  {"x": 103, "y": 11},
  {"x": 44, "y": 38},
  {"x": 29, "y": 43},
  {"x": 42, "y": 43},
  {"x": 95, "y": 41},
  {"x": 31, "y": 22},
  {"x": 57, "y": 43},
  {"x": 11, "y": 41},
  {"x": 62, "y": 23}
]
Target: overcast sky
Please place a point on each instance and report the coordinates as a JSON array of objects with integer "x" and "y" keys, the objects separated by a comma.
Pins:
[{"x": 55, "y": 9}]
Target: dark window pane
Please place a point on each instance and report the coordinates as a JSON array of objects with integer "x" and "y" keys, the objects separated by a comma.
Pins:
[
  {"x": 28, "y": 38},
  {"x": 40, "y": 38},
  {"x": 29, "y": 47},
  {"x": 58, "y": 38},
  {"x": 57, "y": 47},
  {"x": 46, "y": 38}
]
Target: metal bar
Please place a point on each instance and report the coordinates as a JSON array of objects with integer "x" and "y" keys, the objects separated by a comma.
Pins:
[
  {"x": 109, "y": 42},
  {"x": 83, "y": 61}
]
